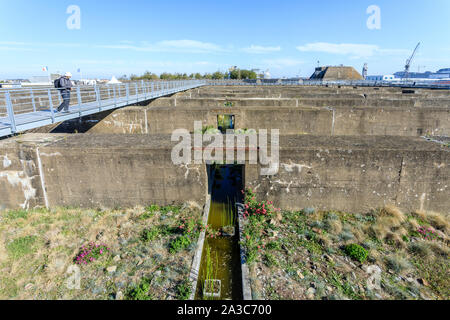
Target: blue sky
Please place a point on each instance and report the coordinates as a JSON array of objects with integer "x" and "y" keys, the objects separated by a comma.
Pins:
[{"x": 287, "y": 37}]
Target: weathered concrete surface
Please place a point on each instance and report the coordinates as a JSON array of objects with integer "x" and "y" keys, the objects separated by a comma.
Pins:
[
  {"x": 20, "y": 173},
  {"x": 357, "y": 174},
  {"x": 316, "y": 91},
  {"x": 353, "y": 174},
  {"x": 293, "y": 110},
  {"x": 100, "y": 170},
  {"x": 288, "y": 119}
]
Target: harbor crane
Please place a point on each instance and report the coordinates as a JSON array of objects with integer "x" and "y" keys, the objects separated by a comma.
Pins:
[{"x": 409, "y": 61}]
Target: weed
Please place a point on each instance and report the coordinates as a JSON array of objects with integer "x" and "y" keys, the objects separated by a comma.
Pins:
[
  {"x": 21, "y": 246},
  {"x": 397, "y": 263},
  {"x": 151, "y": 234},
  {"x": 274, "y": 245},
  {"x": 343, "y": 286},
  {"x": 184, "y": 290},
  {"x": 346, "y": 235},
  {"x": 270, "y": 260},
  {"x": 141, "y": 292},
  {"x": 179, "y": 244},
  {"x": 312, "y": 246},
  {"x": 17, "y": 214}
]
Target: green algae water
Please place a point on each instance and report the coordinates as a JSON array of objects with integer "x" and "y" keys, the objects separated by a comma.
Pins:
[{"x": 220, "y": 256}]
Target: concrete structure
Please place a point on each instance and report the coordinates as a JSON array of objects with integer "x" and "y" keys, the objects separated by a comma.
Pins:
[
  {"x": 293, "y": 110},
  {"x": 91, "y": 171},
  {"x": 346, "y": 173},
  {"x": 351, "y": 149}
]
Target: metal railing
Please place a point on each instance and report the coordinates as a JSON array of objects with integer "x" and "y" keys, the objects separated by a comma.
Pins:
[
  {"x": 354, "y": 83},
  {"x": 32, "y": 107}
]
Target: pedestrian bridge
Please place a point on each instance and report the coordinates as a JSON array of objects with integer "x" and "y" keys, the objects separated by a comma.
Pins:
[{"x": 29, "y": 108}]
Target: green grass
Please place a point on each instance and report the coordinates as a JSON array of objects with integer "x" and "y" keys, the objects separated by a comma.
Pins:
[
  {"x": 179, "y": 244},
  {"x": 141, "y": 292},
  {"x": 435, "y": 272},
  {"x": 270, "y": 260},
  {"x": 343, "y": 286},
  {"x": 184, "y": 290},
  {"x": 20, "y": 247},
  {"x": 17, "y": 214},
  {"x": 149, "y": 235},
  {"x": 312, "y": 246}
]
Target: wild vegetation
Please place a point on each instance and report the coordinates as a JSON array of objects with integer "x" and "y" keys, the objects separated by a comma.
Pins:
[
  {"x": 138, "y": 254},
  {"x": 235, "y": 75},
  {"x": 311, "y": 254}
]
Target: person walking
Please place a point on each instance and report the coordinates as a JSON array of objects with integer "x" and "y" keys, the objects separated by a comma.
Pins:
[{"x": 64, "y": 87}]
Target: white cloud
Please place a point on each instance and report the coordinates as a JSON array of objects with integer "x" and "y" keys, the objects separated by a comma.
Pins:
[
  {"x": 254, "y": 49},
  {"x": 352, "y": 49},
  {"x": 186, "y": 46}
]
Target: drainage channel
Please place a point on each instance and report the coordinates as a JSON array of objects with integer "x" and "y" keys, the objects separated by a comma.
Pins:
[{"x": 220, "y": 274}]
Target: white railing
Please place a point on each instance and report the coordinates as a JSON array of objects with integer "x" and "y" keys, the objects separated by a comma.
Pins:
[{"x": 29, "y": 103}]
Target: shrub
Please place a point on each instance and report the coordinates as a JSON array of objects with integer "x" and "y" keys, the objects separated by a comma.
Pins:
[
  {"x": 190, "y": 226},
  {"x": 91, "y": 253},
  {"x": 254, "y": 208},
  {"x": 141, "y": 292},
  {"x": 179, "y": 244},
  {"x": 356, "y": 252}
]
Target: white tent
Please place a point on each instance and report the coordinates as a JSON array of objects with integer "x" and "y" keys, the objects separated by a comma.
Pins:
[{"x": 114, "y": 81}]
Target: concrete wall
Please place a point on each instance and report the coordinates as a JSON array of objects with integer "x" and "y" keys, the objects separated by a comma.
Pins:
[
  {"x": 356, "y": 174},
  {"x": 290, "y": 120},
  {"x": 91, "y": 171},
  {"x": 353, "y": 174}
]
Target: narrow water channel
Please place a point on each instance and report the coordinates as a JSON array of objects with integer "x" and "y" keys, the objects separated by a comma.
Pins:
[{"x": 220, "y": 257}]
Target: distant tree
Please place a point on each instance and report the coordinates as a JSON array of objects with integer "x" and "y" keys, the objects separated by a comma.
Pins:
[
  {"x": 218, "y": 75},
  {"x": 149, "y": 76},
  {"x": 235, "y": 75},
  {"x": 243, "y": 74},
  {"x": 166, "y": 76},
  {"x": 198, "y": 76}
]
